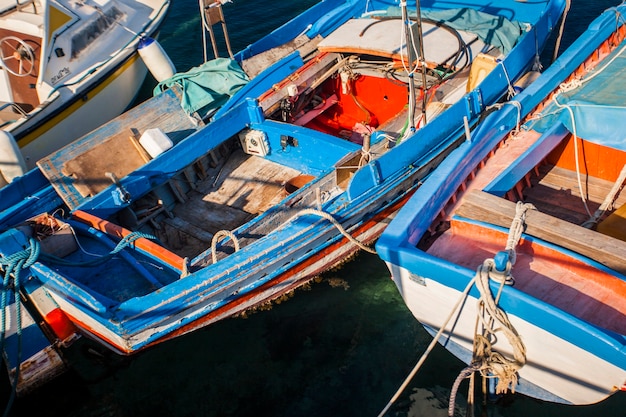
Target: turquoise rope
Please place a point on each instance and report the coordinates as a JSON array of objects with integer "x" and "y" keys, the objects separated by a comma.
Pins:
[
  {"x": 13, "y": 265},
  {"x": 125, "y": 242}
]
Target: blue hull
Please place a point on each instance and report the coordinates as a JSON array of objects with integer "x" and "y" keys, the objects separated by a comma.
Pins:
[{"x": 146, "y": 292}]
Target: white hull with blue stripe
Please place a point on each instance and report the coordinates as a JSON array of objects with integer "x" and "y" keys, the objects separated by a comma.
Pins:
[{"x": 562, "y": 257}]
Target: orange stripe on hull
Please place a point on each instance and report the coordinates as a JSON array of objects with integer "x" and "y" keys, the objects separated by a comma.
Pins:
[
  {"x": 599, "y": 161},
  {"x": 231, "y": 307},
  {"x": 234, "y": 306},
  {"x": 118, "y": 231}
]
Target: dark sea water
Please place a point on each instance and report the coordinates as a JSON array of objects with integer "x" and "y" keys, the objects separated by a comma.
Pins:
[{"x": 340, "y": 347}]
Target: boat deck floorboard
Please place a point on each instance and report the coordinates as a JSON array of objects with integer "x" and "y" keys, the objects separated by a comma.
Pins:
[{"x": 244, "y": 187}]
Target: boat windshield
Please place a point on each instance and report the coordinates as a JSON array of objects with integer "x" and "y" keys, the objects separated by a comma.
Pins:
[{"x": 92, "y": 31}]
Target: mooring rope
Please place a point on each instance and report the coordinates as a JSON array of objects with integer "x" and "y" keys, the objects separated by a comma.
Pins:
[
  {"x": 338, "y": 225},
  {"x": 219, "y": 236},
  {"x": 609, "y": 200},
  {"x": 123, "y": 243},
  {"x": 487, "y": 361},
  {"x": 12, "y": 266},
  {"x": 307, "y": 211},
  {"x": 430, "y": 347}
]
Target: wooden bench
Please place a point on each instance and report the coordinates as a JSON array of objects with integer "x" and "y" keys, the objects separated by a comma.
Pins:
[{"x": 485, "y": 207}]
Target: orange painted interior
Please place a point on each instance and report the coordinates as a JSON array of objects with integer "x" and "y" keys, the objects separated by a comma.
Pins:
[
  {"x": 545, "y": 273},
  {"x": 599, "y": 161},
  {"x": 370, "y": 100}
]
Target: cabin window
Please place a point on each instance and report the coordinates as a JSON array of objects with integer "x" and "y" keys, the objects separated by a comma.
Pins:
[{"x": 91, "y": 32}]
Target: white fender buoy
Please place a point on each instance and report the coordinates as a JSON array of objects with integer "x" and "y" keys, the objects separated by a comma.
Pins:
[
  {"x": 12, "y": 162},
  {"x": 159, "y": 64}
]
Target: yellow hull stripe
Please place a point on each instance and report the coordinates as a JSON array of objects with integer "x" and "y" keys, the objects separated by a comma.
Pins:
[
  {"x": 65, "y": 113},
  {"x": 56, "y": 19}
]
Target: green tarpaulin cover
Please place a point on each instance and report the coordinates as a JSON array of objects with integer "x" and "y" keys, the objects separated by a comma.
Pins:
[{"x": 207, "y": 86}]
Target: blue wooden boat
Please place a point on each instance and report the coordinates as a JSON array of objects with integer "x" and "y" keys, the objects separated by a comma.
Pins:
[
  {"x": 552, "y": 275},
  {"x": 131, "y": 246}
]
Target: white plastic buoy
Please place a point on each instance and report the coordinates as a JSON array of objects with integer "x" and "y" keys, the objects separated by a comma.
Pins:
[
  {"x": 159, "y": 64},
  {"x": 12, "y": 162}
]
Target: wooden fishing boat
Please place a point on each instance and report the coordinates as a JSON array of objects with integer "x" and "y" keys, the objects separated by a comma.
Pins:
[
  {"x": 297, "y": 171},
  {"x": 556, "y": 268},
  {"x": 67, "y": 67}
]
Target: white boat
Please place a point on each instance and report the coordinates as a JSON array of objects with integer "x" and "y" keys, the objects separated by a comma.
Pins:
[
  {"x": 67, "y": 67},
  {"x": 512, "y": 252}
]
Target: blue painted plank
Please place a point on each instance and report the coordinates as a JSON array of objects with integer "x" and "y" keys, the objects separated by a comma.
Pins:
[{"x": 527, "y": 161}]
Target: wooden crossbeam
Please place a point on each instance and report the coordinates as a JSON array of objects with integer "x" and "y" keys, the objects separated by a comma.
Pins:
[{"x": 485, "y": 207}]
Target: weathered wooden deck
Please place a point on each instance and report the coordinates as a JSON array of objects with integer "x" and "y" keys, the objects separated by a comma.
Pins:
[{"x": 236, "y": 190}]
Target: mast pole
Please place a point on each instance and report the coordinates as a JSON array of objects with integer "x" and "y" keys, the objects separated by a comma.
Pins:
[
  {"x": 410, "y": 56},
  {"x": 420, "y": 44}
]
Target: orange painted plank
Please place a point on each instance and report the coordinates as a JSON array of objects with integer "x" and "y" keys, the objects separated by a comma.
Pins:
[{"x": 118, "y": 231}]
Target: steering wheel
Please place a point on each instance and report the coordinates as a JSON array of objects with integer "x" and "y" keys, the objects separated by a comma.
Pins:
[{"x": 12, "y": 49}]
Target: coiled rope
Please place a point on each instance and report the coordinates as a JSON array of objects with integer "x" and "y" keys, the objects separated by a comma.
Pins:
[
  {"x": 500, "y": 364},
  {"x": 12, "y": 266}
]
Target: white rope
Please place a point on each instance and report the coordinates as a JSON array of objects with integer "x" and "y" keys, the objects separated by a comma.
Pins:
[
  {"x": 217, "y": 237},
  {"x": 518, "y": 122},
  {"x": 225, "y": 233},
  {"x": 557, "y": 45},
  {"x": 335, "y": 223},
  {"x": 576, "y": 83},
  {"x": 511, "y": 90},
  {"x": 490, "y": 363},
  {"x": 516, "y": 229},
  {"x": 607, "y": 204},
  {"x": 576, "y": 152},
  {"x": 429, "y": 348}
]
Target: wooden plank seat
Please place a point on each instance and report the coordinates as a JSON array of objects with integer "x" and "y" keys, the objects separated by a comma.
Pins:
[{"x": 482, "y": 206}]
